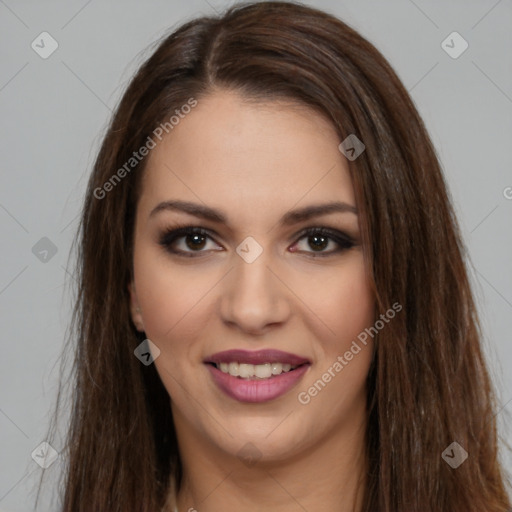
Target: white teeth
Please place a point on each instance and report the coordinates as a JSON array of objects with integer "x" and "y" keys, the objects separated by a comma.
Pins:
[
  {"x": 260, "y": 371},
  {"x": 246, "y": 370},
  {"x": 233, "y": 369},
  {"x": 263, "y": 371},
  {"x": 277, "y": 368}
]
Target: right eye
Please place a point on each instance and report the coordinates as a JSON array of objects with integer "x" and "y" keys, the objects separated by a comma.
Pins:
[{"x": 185, "y": 241}]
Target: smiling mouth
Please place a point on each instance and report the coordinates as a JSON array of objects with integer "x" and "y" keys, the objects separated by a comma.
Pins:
[
  {"x": 256, "y": 376},
  {"x": 255, "y": 371}
]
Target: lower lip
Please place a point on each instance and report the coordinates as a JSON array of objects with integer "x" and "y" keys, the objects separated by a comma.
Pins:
[{"x": 257, "y": 390}]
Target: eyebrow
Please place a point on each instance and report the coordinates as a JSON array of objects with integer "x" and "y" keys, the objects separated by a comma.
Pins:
[{"x": 289, "y": 218}]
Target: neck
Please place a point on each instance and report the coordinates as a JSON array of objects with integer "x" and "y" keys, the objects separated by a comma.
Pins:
[{"x": 327, "y": 477}]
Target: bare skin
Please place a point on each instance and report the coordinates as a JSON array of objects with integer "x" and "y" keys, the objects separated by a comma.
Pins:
[{"x": 254, "y": 163}]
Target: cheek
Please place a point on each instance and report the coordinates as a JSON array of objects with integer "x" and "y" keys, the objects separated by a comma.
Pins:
[
  {"x": 352, "y": 307},
  {"x": 336, "y": 388},
  {"x": 168, "y": 294},
  {"x": 342, "y": 299}
]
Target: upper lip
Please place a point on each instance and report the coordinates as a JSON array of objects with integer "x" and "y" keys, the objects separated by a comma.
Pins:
[{"x": 256, "y": 357}]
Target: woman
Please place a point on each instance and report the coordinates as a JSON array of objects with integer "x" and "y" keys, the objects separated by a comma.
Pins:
[{"x": 274, "y": 311}]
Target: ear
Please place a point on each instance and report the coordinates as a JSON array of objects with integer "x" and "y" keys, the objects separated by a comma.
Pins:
[{"x": 135, "y": 311}]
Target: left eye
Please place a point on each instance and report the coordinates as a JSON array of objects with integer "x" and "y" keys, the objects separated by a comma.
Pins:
[{"x": 321, "y": 238}]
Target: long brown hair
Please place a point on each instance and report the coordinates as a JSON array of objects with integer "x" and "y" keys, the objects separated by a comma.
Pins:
[{"x": 428, "y": 385}]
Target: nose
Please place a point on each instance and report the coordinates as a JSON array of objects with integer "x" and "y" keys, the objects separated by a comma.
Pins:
[{"x": 253, "y": 298}]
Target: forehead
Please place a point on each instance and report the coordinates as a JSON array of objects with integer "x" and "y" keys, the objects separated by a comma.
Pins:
[{"x": 229, "y": 152}]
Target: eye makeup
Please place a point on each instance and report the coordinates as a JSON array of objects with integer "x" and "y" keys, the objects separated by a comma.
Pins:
[{"x": 193, "y": 240}]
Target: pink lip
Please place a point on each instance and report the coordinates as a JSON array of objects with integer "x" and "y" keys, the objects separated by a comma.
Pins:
[
  {"x": 256, "y": 357},
  {"x": 256, "y": 390}
]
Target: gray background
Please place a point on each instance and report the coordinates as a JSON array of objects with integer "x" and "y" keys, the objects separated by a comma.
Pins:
[{"x": 53, "y": 112}]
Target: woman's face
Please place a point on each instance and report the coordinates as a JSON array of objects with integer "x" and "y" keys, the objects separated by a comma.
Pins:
[{"x": 254, "y": 177}]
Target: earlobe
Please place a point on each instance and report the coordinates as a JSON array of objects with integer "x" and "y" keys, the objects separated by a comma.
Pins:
[{"x": 135, "y": 311}]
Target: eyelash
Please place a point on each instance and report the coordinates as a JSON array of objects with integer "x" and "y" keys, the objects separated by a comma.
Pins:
[{"x": 169, "y": 237}]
